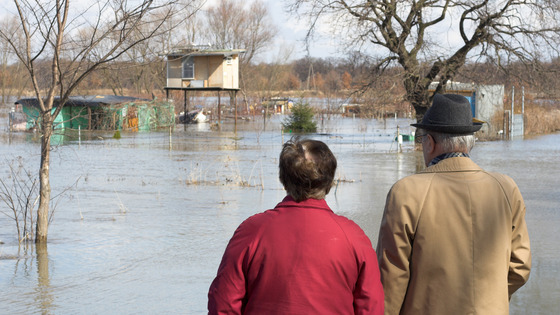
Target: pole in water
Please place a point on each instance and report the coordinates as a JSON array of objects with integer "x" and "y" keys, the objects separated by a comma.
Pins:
[
  {"x": 399, "y": 140},
  {"x": 170, "y": 143}
]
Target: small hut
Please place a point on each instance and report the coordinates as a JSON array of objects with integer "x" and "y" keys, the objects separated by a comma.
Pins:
[
  {"x": 201, "y": 68},
  {"x": 104, "y": 112}
]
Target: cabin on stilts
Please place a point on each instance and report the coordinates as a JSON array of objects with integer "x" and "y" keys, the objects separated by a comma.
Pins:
[{"x": 201, "y": 68}]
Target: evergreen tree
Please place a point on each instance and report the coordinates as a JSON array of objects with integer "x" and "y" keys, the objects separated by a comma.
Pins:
[{"x": 301, "y": 119}]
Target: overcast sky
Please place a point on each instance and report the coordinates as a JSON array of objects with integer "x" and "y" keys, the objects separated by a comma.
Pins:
[
  {"x": 290, "y": 37},
  {"x": 292, "y": 33}
]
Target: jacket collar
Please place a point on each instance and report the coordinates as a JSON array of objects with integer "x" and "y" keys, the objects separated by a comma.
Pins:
[
  {"x": 454, "y": 164},
  {"x": 288, "y": 201},
  {"x": 444, "y": 156}
]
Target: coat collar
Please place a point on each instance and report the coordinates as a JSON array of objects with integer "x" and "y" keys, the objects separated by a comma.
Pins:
[
  {"x": 454, "y": 164},
  {"x": 288, "y": 201}
]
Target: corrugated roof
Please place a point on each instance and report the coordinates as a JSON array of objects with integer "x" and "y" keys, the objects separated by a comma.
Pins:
[{"x": 86, "y": 100}]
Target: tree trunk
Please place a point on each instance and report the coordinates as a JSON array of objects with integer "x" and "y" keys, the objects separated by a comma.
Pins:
[
  {"x": 417, "y": 94},
  {"x": 420, "y": 107},
  {"x": 45, "y": 187}
]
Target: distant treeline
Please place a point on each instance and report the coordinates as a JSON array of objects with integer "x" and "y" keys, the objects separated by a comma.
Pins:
[{"x": 353, "y": 77}]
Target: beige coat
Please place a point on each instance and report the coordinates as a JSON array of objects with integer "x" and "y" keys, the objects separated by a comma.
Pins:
[{"x": 453, "y": 240}]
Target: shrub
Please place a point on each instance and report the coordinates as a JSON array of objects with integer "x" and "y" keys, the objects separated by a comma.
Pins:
[{"x": 301, "y": 119}]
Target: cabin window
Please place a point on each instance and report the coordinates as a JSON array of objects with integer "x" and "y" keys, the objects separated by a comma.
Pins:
[{"x": 188, "y": 68}]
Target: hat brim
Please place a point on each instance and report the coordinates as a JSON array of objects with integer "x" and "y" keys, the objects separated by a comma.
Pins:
[{"x": 450, "y": 128}]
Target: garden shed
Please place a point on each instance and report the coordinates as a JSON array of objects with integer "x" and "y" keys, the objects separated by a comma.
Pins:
[{"x": 104, "y": 112}]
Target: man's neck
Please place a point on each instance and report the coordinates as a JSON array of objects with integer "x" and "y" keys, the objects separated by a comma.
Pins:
[{"x": 444, "y": 156}]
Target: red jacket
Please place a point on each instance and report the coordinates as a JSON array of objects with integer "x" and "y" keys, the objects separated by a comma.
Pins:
[{"x": 298, "y": 258}]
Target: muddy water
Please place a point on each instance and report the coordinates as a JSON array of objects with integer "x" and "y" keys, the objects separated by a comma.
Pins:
[{"x": 144, "y": 228}]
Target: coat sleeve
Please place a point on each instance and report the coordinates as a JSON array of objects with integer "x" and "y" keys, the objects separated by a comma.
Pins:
[
  {"x": 520, "y": 260},
  {"x": 227, "y": 293},
  {"x": 394, "y": 248},
  {"x": 368, "y": 293}
]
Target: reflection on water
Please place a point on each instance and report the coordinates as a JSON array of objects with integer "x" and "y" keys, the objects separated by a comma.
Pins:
[
  {"x": 145, "y": 228},
  {"x": 43, "y": 294}
]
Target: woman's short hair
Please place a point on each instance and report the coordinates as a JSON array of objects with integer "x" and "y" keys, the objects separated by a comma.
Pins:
[{"x": 307, "y": 169}]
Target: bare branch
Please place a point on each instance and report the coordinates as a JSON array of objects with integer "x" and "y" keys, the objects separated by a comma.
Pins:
[
  {"x": 413, "y": 33},
  {"x": 75, "y": 45}
]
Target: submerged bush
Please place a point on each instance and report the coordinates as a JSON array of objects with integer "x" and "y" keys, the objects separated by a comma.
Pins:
[{"x": 301, "y": 119}]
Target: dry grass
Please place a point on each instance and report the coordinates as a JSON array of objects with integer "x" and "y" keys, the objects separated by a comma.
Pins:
[
  {"x": 226, "y": 174},
  {"x": 542, "y": 119},
  {"x": 539, "y": 119}
]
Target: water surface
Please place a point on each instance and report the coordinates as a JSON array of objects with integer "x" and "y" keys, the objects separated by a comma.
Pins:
[{"x": 144, "y": 228}]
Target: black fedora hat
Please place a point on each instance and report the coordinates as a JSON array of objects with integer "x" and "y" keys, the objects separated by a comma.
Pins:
[{"x": 449, "y": 113}]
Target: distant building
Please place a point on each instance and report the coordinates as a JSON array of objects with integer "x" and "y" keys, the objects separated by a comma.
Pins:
[
  {"x": 101, "y": 112},
  {"x": 278, "y": 105},
  {"x": 348, "y": 110},
  {"x": 201, "y": 68}
]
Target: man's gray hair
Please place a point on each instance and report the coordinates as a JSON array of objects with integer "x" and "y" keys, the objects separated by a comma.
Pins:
[{"x": 454, "y": 143}]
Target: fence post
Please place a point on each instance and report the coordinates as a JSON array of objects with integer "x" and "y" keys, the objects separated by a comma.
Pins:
[
  {"x": 512, "y": 111},
  {"x": 523, "y": 109},
  {"x": 507, "y": 124}
]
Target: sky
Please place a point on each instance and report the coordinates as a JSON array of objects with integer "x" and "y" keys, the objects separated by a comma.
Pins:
[
  {"x": 292, "y": 34},
  {"x": 287, "y": 45}
]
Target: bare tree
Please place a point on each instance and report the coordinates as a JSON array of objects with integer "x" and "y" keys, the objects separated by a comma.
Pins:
[
  {"x": 144, "y": 65},
  {"x": 74, "y": 46},
  {"x": 12, "y": 78},
  {"x": 232, "y": 25},
  {"x": 431, "y": 40},
  {"x": 224, "y": 24}
]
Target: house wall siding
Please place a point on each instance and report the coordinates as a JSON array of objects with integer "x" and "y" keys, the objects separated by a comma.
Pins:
[
  {"x": 213, "y": 71},
  {"x": 174, "y": 72}
]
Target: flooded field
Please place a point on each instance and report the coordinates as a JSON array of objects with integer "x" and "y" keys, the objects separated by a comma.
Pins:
[{"x": 144, "y": 228}]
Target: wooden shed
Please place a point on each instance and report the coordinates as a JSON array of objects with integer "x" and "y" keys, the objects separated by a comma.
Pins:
[{"x": 203, "y": 68}]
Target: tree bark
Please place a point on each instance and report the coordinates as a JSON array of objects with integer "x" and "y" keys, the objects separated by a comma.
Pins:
[
  {"x": 45, "y": 186},
  {"x": 417, "y": 94}
]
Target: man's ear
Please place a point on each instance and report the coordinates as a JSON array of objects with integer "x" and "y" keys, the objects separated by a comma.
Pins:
[{"x": 430, "y": 144}]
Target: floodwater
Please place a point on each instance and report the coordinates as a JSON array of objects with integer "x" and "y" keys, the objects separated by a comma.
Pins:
[{"x": 144, "y": 228}]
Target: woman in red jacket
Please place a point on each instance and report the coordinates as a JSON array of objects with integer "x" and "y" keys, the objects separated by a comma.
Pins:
[{"x": 300, "y": 257}]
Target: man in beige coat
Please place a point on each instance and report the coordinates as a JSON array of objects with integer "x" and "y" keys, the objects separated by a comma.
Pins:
[{"x": 453, "y": 239}]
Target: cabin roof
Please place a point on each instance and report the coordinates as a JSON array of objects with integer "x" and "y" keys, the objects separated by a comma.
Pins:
[
  {"x": 86, "y": 100},
  {"x": 194, "y": 52}
]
